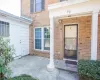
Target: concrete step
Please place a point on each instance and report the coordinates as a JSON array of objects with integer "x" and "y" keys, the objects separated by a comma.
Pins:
[{"x": 61, "y": 64}]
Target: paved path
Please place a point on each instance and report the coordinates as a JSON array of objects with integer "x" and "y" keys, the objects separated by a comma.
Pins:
[{"x": 36, "y": 67}]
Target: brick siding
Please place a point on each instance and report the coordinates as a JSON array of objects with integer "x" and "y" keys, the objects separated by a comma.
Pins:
[
  {"x": 99, "y": 39},
  {"x": 41, "y": 19},
  {"x": 84, "y": 36}
]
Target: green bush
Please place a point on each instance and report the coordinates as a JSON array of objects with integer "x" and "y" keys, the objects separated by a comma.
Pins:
[
  {"x": 89, "y": 69},
  {"x": 23, "y": 77},
  {"x": 6, "y": 52}
]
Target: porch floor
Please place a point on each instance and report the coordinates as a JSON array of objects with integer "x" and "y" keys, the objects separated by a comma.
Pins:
[
  {"x": 36, "y": 67},
  {"x": 62, "y": 64}
]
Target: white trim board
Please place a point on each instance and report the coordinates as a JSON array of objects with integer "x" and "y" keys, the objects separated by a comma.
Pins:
[{"x": 75, "y": 9}]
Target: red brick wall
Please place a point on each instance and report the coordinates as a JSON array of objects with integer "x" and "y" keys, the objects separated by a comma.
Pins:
[
  {"x": 40, "y": 19},
  {"x": 99, "y": 39},
  {"x": 84, "y": 36}
]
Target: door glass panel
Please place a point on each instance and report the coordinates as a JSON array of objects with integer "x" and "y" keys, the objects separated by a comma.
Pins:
[{"x": 70, "y": 42}]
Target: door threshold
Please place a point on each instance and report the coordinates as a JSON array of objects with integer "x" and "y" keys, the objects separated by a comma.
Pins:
[{"x": 70, "y": 60}]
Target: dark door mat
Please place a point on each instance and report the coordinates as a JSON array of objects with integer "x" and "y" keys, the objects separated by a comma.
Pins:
[{"x": 71, "y": 62}]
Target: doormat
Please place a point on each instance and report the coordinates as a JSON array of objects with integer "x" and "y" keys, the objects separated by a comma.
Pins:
[{"x": 71, "y": 62}]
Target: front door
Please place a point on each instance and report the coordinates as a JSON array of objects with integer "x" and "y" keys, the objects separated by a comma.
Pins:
[{"x": 70, "y": 42}]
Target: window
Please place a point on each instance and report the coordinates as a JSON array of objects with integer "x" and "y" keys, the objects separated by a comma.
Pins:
[
  {"x": 63, "y": 0},
  {"x": 38, "y": 38},
  {"x": 42, "y": 39},
  {"x": 4, "y": 29},
  {"x": 36, "y": 5},
  {"x": 46, "y": 39}
]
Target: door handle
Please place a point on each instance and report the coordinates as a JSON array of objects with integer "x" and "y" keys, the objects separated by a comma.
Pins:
[{"x": 20, "y": 41}]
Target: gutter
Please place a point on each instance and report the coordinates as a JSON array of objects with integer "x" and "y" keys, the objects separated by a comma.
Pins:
[{"x": 11, "y": 16}]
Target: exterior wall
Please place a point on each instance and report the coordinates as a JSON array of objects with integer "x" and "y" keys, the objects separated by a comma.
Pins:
[
  {"x": 31, "y": 45},
  {"x": 84, "y": 36},
  {"x": 40, "y": 19},
  {"x": 99, "y": 39},
  {"x": 25, "y": 8}
]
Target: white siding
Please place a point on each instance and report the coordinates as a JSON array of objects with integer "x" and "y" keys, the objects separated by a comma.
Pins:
[{"x": 19, "y": 36}]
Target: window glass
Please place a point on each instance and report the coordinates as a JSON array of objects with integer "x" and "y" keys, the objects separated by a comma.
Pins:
[
  {"x": 4, "y": 29},
  {"x": 38, "y": 1},
  {"x": 46, "y": 38},
  {"x": 38, "y": 38},
  {"x": 63, "y": 0},
  {"x": 38, "y": 33},
  {"x": 38, "y": 6},
  {"x": 37, "y": 43}
]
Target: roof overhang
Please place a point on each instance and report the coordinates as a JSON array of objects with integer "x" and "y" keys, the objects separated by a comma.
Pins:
[
  {"x": 16, "y": 18},
  {"x": 65, "y": 3},
  {"x": 77, "y": 7}
]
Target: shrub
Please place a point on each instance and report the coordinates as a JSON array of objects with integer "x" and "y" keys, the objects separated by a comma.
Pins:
[
  {"x": 6, "y": 52},
  {"x": 23, "y": 77},
  {"x": 89, "y": 69}
]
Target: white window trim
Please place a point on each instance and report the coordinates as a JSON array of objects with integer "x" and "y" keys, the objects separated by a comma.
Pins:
[{"x": 42, "y": 39}]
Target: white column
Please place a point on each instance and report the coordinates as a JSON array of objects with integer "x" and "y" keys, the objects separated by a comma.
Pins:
[
  {"x": 51, "y": 66},
  {"x": 94, "y": 36}
]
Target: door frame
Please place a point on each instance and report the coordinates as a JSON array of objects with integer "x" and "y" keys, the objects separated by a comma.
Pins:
[{"x": 76, "y": 41}]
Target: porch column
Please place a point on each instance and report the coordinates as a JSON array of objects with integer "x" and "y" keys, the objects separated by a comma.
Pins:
[
  {"x": 51, "y": 66},
  {"x": 94, "y": 36}
]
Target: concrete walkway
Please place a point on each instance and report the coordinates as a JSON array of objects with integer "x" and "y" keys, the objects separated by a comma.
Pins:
[{"x": 36, "y": 67}]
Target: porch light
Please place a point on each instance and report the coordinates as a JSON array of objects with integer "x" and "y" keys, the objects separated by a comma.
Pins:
[
  {"x": 60, "y": 21},
  {"x": 69, "y": 13}
]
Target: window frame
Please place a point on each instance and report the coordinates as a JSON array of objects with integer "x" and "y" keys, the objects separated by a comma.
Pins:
[
  {"x": 42, "y": 39},
  {"x": 5, "y": 29}
]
